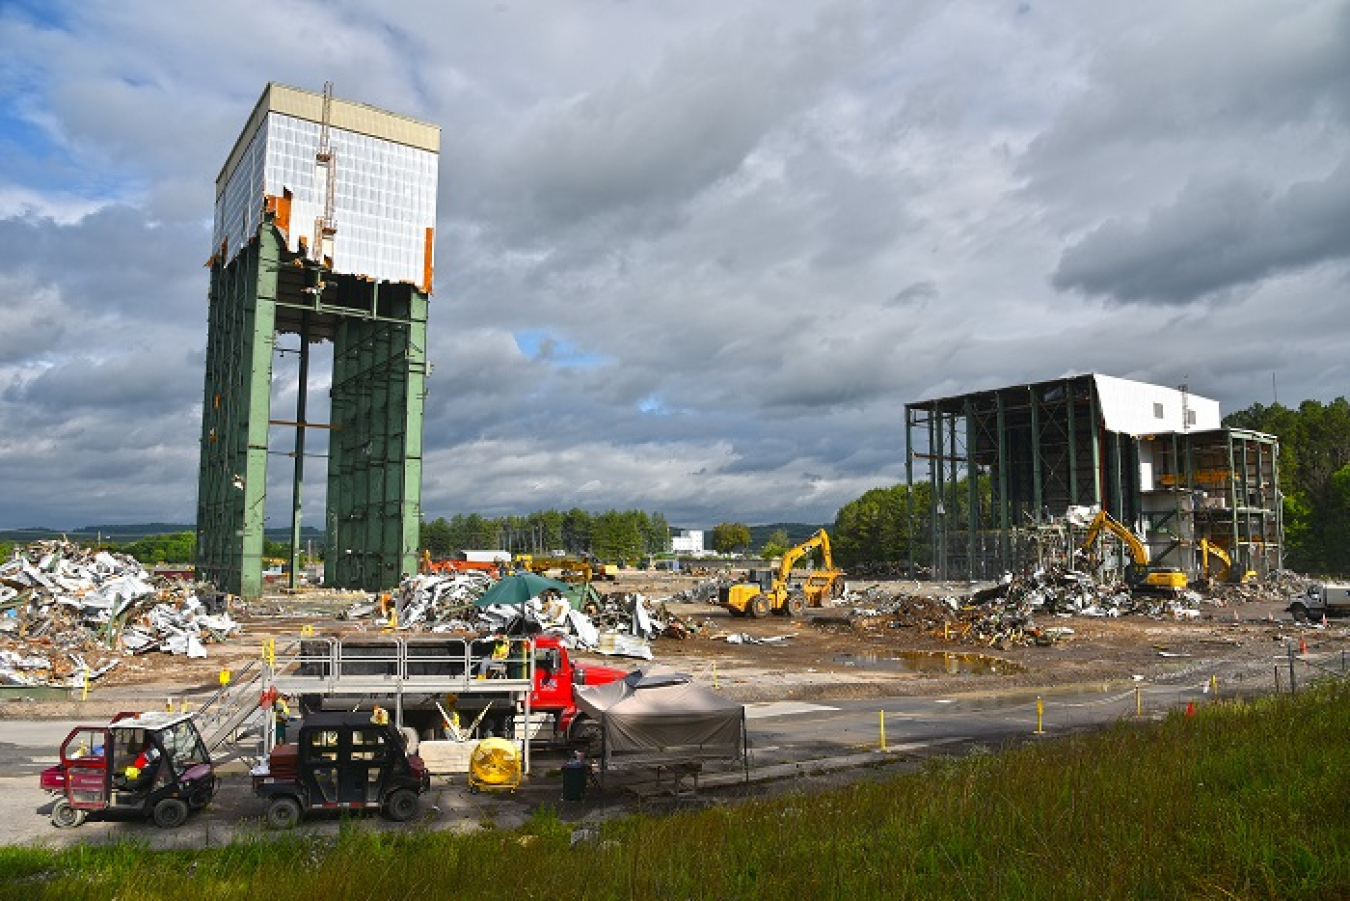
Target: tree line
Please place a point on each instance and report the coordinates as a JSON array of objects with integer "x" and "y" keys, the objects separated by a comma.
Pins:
[
  {"x": 1314, "y": 479},
  {"x": 612, "y": 536}
]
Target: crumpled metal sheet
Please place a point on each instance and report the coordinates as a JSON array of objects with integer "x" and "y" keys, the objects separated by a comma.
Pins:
[
  {"x": 79, "y": 610},
  {"x": 616, "y": 624},
  {"x": 1010, "y": 612}
]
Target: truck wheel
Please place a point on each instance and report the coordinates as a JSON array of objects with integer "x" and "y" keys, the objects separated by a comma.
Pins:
[
  {"x": 401, "y": 806},
  {"x": 736, "y": 611},
  {"x": 759, "y": 606},
  {"x": 170, "y": 813},
  {"x": 1300, "y": 613},
  {"x": 283, "y": 813},
  {"x": 794, "y": 606},
  {"x": 584, "y": 735},
  {"x": 67, "y": 816}
]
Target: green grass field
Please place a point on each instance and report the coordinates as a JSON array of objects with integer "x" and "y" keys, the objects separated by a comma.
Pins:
[{"x": 1243, "y": 800}]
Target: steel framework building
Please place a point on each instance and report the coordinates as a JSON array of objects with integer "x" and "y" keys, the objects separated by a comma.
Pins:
[
  {"x": 1011, "y": 472},
  {"x": 324, "y": 228}
]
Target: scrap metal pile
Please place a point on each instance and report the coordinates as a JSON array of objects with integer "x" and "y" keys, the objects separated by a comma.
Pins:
[
  {"x": 68, "y": 614},
  {"x": 616, "y": 624},
  {"x": 1015, "y": 611}
]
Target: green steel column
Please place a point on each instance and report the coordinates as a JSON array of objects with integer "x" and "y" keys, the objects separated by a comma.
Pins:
[
  {"x": 1004, "y": 538},
  {"x": 301, "y": 411},
  {"x": 259, "y": 340},
  {"x": 1096, "y": 445},
  {"x": 1073, "y": 442},
  {"x": 1036, "y": 487},
  {"x": 935, "y": 493},
  {"x": 972, "y": 492},
  {"x": 953, "y": 508},
  {"x": 909, "y": 482},
  {"x": 414, "y": 399},
  {"x": 232, "y": 484}
]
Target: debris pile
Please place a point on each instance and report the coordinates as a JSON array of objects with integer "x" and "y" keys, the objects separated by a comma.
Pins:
[
  {"x": 617, "y": 624},
  {"x": 1005, "y": 614},
  {"x": 68, "y": 614}
]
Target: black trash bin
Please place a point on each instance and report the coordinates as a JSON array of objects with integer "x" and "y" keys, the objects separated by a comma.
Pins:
[{"x": 574, "y": 775}]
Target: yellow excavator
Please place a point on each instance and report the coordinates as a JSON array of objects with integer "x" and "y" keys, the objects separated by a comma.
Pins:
[
  {"x": 768, "y": 592},
  {"x": 1138, "y": 574},
  {"x": 1210, "y": 549}
]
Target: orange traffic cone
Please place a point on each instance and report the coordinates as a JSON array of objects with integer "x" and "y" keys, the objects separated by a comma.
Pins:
[
  {"x": 1190, "y": 708},
  {"x": 1324, "y": 620},
  {"x": 1303, "y": 645}
]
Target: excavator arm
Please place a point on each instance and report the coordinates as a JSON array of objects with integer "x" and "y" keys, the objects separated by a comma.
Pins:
[{"x": 1142, "y": 575}]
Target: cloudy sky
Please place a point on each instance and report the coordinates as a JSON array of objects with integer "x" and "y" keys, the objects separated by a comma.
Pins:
[{"x": 693, "y": 257}]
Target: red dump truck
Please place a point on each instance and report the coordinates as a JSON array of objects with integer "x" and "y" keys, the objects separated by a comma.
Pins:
[{"x": 426, "y": 679}]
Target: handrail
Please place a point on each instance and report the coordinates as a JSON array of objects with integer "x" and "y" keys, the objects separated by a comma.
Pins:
[{"x": 453, "y": 661}]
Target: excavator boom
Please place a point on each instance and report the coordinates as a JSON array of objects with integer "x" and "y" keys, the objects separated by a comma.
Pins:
[{"x": 1140, "y": 575}]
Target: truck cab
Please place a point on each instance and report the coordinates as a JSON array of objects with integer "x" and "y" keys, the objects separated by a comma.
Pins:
[
  {"x": 1321, "y": 599},
  {"x": 556, "y": 677}
]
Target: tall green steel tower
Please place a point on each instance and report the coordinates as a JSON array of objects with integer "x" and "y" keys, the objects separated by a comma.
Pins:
[{"x": 324, "y": 229}]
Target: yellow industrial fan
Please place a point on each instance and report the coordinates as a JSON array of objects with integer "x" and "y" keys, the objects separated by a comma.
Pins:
[{"x": 494, "y": 765}]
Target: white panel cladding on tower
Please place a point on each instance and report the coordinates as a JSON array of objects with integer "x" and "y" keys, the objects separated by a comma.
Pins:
[{"x": 384, "y": 203}]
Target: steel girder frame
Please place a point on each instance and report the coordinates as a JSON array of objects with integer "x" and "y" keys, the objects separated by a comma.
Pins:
[
  {"x": 375, "y": 452},
  {"x": 232, "y": 481},
  {"x": 1041, "y": 446}
]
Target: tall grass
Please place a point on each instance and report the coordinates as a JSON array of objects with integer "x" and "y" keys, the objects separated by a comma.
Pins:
[{"x": 1239, "y": 801}]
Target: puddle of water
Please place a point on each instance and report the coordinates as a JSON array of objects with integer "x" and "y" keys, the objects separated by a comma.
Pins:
[{"x": 931, "y": 662}]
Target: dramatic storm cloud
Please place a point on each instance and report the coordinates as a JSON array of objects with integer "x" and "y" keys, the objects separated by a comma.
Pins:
[{"x": 695, "y": 257}]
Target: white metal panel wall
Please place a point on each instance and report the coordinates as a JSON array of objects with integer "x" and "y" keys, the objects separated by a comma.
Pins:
[
  {"x": 1132, "y": 408},
  {"x": 385, "y": 196}
]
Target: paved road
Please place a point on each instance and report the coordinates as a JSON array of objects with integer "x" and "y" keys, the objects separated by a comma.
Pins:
[{"x": 787, "y": 738}]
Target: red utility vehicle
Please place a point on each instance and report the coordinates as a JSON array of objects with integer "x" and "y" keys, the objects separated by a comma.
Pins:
[{"x": 147, "y": 764}]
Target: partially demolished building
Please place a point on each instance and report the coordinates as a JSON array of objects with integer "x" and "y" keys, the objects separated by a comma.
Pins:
[
  {"x": 324, "y": 227},
  {"x": 1011, "y": 473}
]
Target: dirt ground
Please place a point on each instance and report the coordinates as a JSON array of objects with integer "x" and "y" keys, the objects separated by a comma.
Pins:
[{"x": 831, "y": 653}]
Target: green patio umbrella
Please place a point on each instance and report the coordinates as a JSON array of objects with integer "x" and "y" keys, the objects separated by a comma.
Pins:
[{"x": 519, "y": 588}]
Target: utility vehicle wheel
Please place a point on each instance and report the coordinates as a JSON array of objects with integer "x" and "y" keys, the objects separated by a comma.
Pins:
[
  {"x": 759, "y": 606},
  {"x": 401, "y": 806},
  {"x": 170, "y": 813},
  {"x": 283, "y": 813},
  {"x": 67, "y": 816},
  {"x": 794, "y": 606}
]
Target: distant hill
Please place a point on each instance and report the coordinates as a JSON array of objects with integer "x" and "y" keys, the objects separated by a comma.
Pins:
[{"x": 126, "y": 533}]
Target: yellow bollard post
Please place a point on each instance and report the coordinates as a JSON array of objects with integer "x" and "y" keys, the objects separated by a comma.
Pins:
[
  {"x": 714, "y": 674},
  {"x": 1040, "y": 716},
  {"x": 224, "y": 677},
  {"x": 946, "y": 631},
  {"x": 1214, "y": 687},
  {"x": 1138, "y": 701},
  {"x": 882, "y": 716}
]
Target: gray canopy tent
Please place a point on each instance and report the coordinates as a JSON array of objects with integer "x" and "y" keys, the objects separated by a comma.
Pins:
[{"x": 663, "y": 719}]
